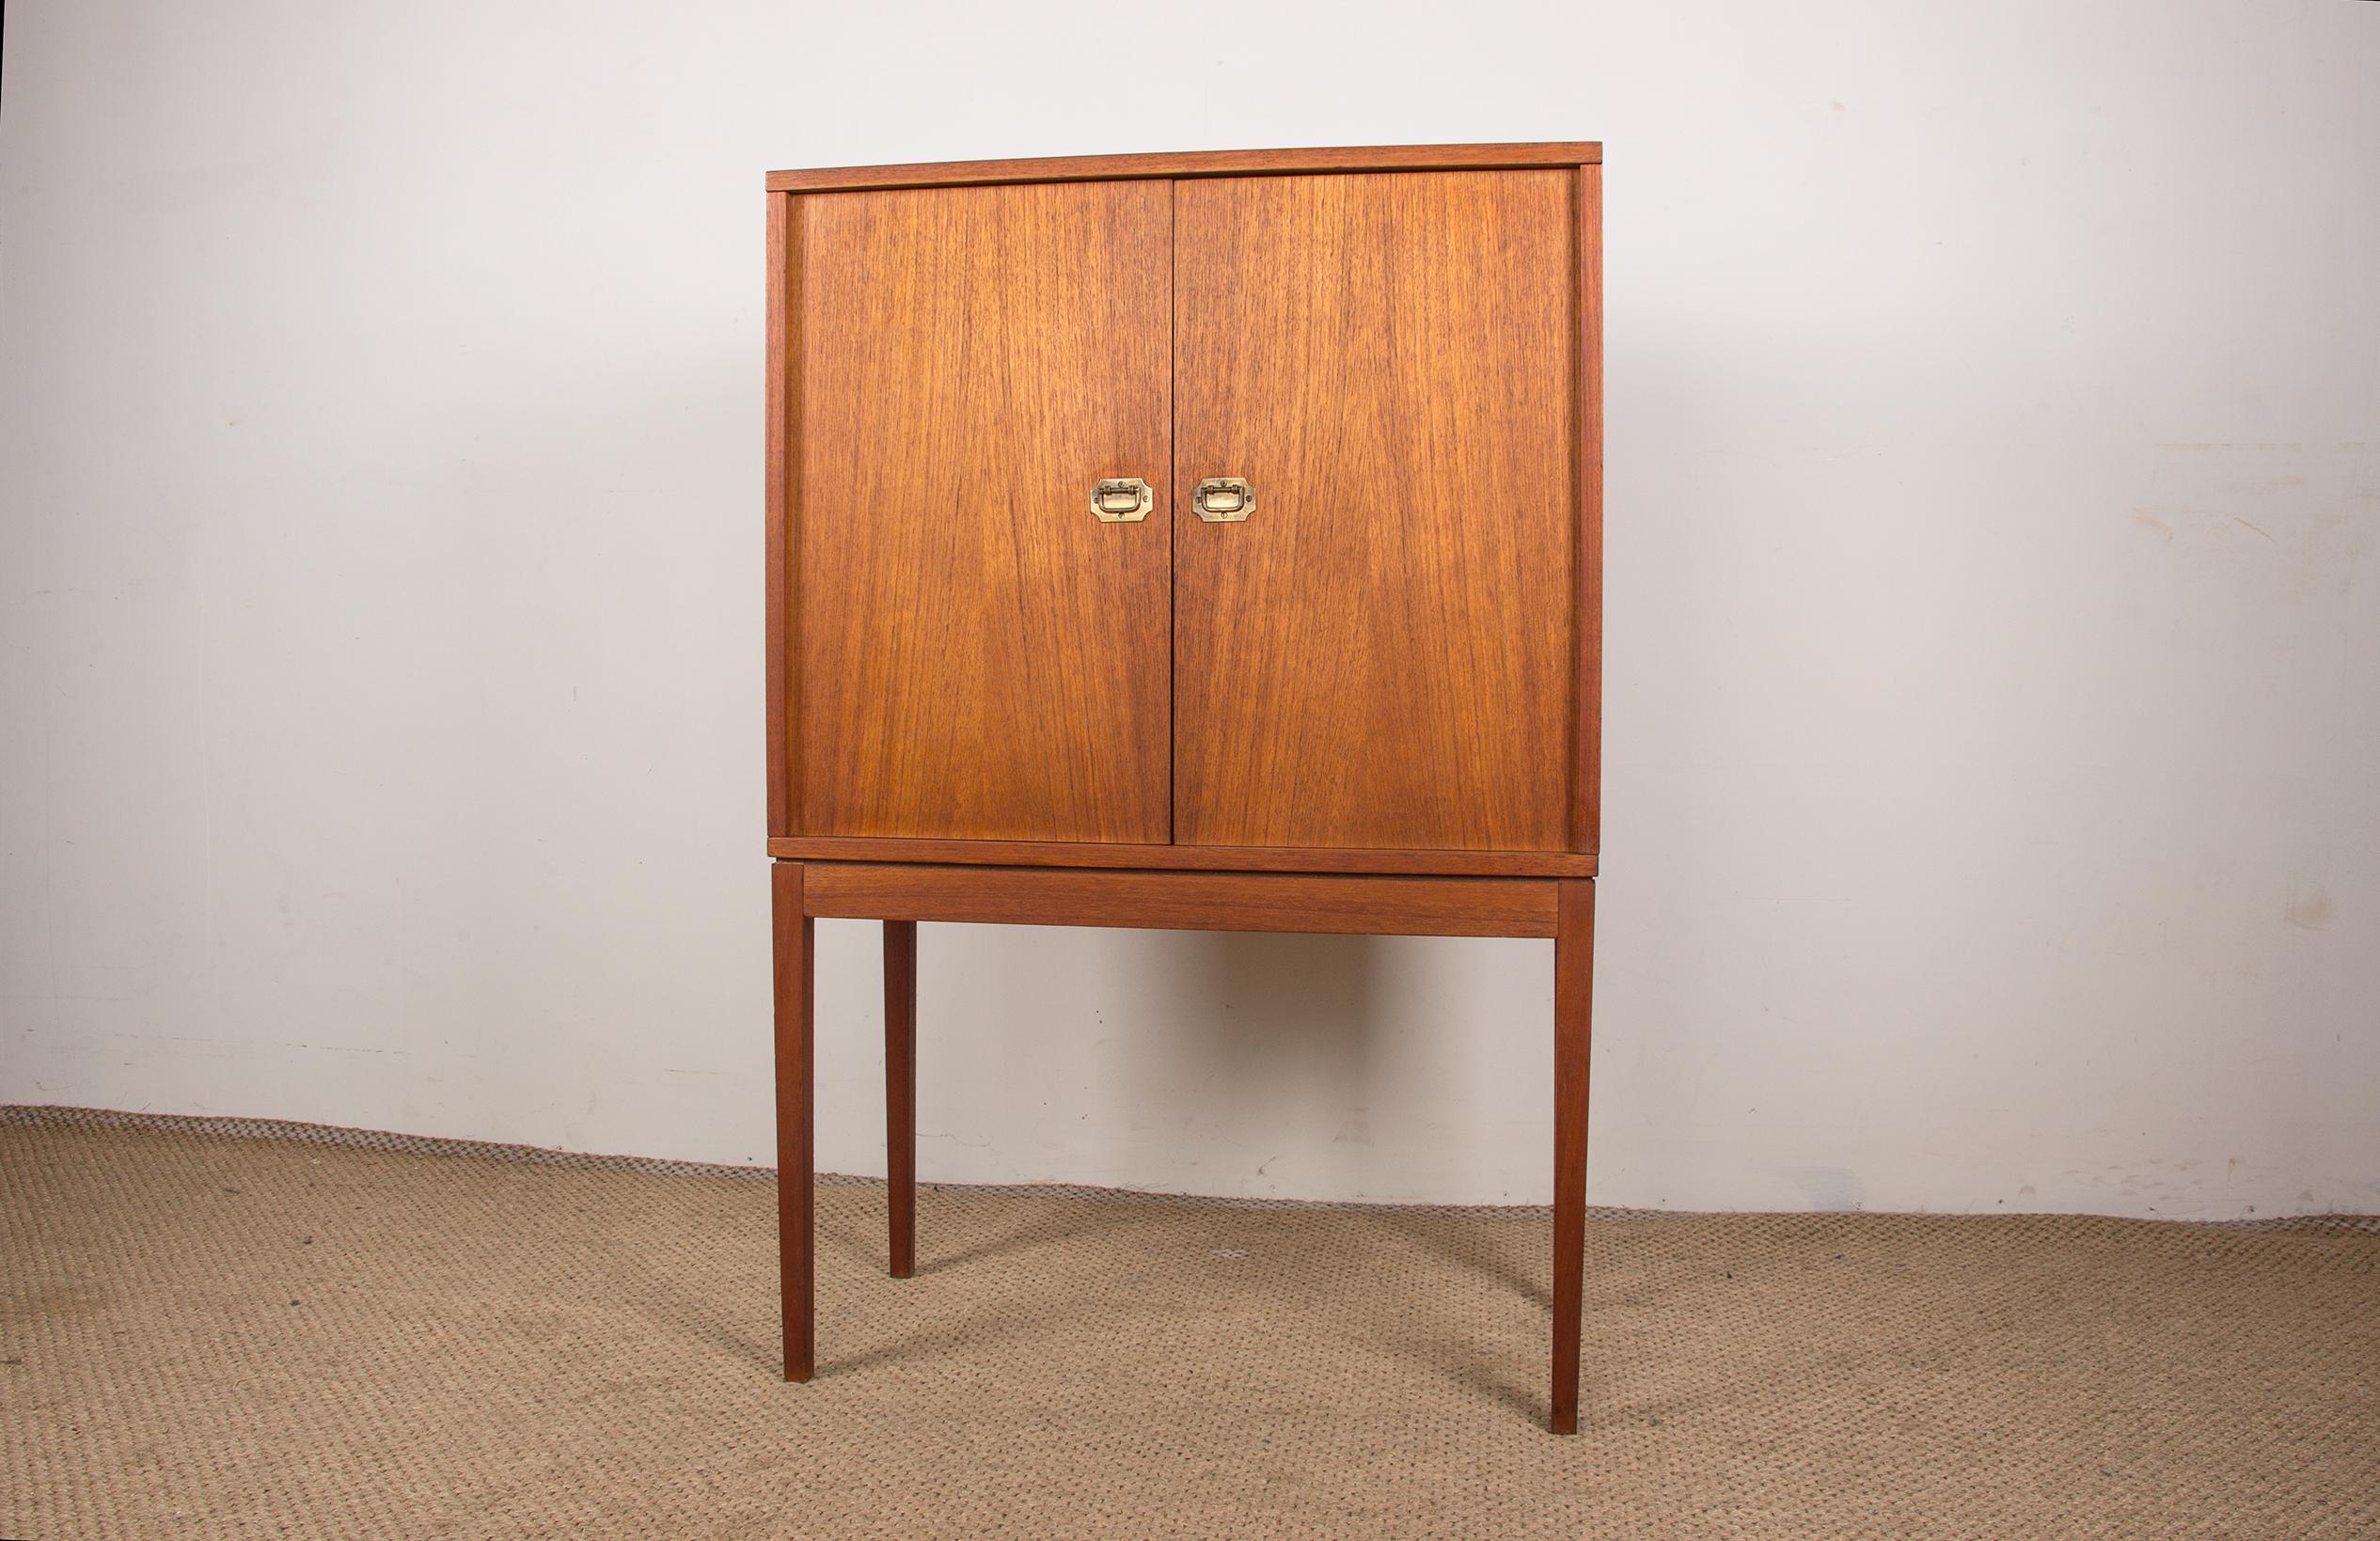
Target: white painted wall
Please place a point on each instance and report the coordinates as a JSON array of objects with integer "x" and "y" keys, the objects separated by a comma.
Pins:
[{"x": 1995, "y": 480}]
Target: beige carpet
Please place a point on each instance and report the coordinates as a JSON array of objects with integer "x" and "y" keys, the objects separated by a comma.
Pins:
[{"x": 204, "y": 1335}]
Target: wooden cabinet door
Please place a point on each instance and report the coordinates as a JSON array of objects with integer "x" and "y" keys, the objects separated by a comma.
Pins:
[
  {"x": 974, "y": 654},
  {"x": 1382, "y": 653}
]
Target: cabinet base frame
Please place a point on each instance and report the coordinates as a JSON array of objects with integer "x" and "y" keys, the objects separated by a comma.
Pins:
[
  {"x": 1219, "y": 858},
  {"x": 901, "y": 894}
]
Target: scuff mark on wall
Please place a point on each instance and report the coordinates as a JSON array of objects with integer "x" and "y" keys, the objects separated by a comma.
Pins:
[
  {"x": 2311, "y": 910},
  {"x": 1827, "y": 1188}
]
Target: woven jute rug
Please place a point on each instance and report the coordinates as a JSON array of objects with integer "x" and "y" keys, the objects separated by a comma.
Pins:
[{"x": 208, "y": 1333}]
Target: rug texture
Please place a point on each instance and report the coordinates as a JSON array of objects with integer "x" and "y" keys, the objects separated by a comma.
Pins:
[{"x": 205, "y": 1334}]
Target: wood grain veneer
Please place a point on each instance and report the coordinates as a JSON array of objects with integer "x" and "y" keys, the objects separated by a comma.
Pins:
[
  {"x": 1283, "y": 858},
  {"x": 1382, "y": 654},
  {"x": 978, "y": 657},
  {"x": 1586, "y": 771},
  {"x": 782, "y": 596},
  {"x": 1282, "y": 901}
]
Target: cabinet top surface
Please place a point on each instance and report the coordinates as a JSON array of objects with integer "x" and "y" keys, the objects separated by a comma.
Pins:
[{"x": 1219, "y": 163}]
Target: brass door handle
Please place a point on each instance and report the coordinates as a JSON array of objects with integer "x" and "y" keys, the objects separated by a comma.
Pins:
[
  {"x": 1121, "y": 500},
  {"x": 1223, "y": 500}
]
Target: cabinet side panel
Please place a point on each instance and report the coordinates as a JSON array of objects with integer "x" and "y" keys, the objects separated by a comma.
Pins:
[
  {"x": 1587, "y": 831},
  {"x": 779, "y": 592},
  {"x": 1384, "y": 653},
  {"x": 980, "y": 657}
]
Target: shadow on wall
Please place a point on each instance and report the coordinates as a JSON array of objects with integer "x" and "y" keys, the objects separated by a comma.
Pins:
[{"x": 1275, "y": 1033}]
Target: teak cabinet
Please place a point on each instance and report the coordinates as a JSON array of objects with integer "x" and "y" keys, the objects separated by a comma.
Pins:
[{"x": 1199, "y": 540}]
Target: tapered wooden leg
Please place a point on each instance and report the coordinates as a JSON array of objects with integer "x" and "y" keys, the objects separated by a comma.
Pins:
[
  {"x": 899, "y": 1090},
  {"x": 796, "y": 1179},
  {"x": 1573, "y": 1002}
]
